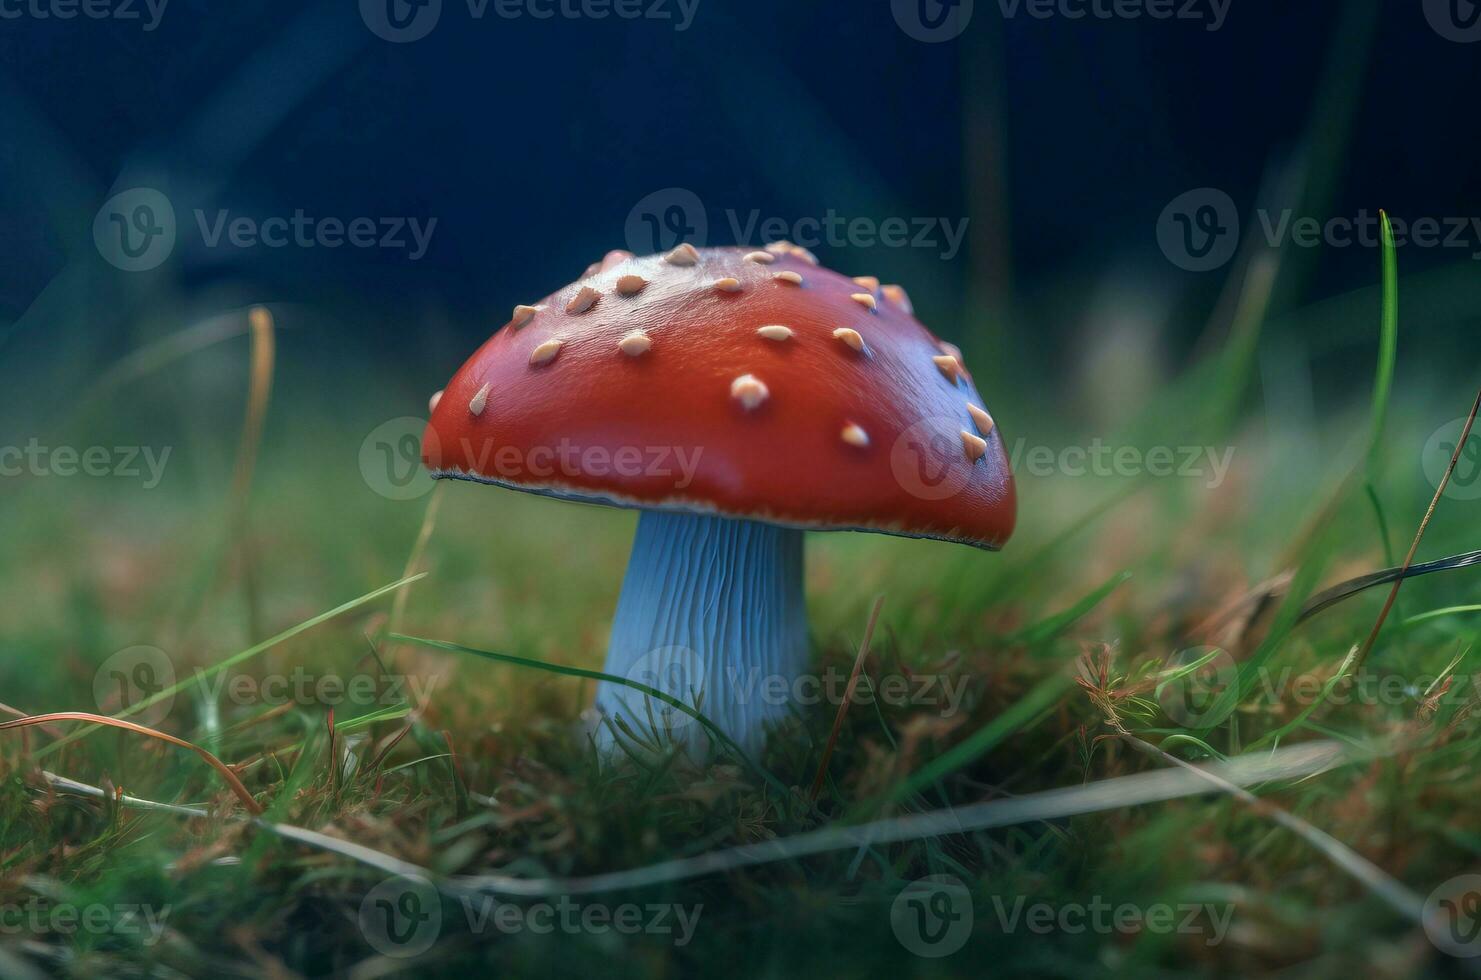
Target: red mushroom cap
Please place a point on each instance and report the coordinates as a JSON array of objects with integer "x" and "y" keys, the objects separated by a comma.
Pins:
[{"x": 746, "y": 383}]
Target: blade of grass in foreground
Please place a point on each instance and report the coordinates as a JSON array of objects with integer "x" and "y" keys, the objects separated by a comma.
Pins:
[
  {"x": 221, "y": 768},
  {"x": 508, "y": 658},
  {"x": 1109, "y": 794},
  {"x": 1388, "y": 347},
  {"x": 1048, "y": 628},
  {"x": 235, "y": 659},
  {"x": 1138, "y": 789},
  {"x": 1042, "y": 698}
]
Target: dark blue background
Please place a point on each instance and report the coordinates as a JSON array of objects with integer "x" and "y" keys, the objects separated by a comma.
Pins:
[{"x": 530, "y": 142}]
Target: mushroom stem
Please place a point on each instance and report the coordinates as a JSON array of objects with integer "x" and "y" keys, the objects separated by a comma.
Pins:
[{"x": 712, "y": 613}]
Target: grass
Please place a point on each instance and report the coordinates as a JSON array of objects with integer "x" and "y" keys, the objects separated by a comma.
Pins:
[{"x": 461, "y": 753}]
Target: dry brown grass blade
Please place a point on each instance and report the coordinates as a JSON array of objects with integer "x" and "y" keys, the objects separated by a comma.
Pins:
[
  {"x": 848, "y": 696},
  {"x": 258, "y": 392},
  {"x": 418, "y": 549},
  {"x": 1393, "y": 593},
  {"x": 215, "y": 763}
]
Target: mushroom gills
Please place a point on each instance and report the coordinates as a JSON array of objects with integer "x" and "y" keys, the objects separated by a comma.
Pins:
[{"x": 711, "y": 613}]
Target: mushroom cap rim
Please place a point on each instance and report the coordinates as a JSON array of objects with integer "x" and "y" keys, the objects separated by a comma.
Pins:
[{"x": 680, "y": 505}]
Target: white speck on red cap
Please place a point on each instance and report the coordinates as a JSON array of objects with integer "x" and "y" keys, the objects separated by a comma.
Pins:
[
  {"x": 630, "y": 285},
  {"x": 854, "y": 435},
  {"x": 949, "y": 366},
  {"x": 635, "y": 343},
  {"x": 983, "y": 420},
  {"x": 585, "y": 299},
  {"x": 749, "y": 390},
  {"x": 545, "y": 353},
  {"x": 478, "y": 401},
  {"x": 685, "y": 254},
  {"x": 850, "y": 336}
]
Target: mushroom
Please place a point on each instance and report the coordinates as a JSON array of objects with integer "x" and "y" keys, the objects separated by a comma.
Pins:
[{"x": 733, "y": 419}]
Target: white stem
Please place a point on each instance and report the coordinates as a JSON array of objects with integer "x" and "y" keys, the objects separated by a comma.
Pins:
[{"x": 711, "y": 613}]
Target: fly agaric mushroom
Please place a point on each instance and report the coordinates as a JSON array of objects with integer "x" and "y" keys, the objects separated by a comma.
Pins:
[{"x": 736, "y": 398}]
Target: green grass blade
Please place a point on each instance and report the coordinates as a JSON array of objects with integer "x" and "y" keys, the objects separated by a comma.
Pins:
[
  {"x": 1388, "y": 346},
  {"x": 238, "y": 658},
  {"x": 1037, "y": 701},
  {"x": 1048, "y": 628}
]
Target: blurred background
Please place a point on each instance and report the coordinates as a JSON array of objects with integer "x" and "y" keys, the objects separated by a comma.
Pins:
[{"x": 1031, "y": 157}]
